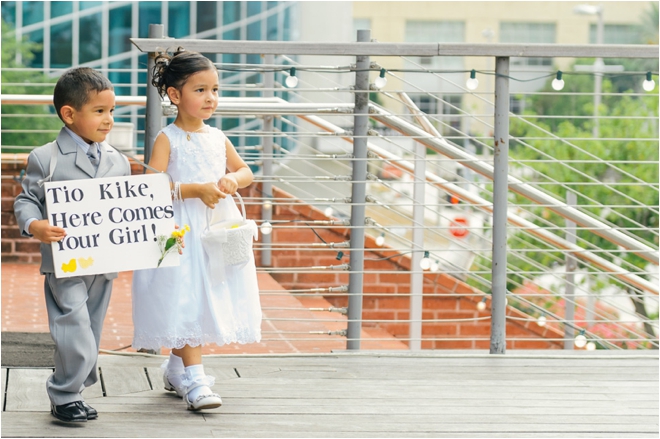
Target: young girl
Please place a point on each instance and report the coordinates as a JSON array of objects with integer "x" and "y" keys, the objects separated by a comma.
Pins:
[{"x": 180, "y": 307}]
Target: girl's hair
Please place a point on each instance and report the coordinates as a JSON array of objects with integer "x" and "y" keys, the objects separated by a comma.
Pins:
[{"x": 174, "y": 70}]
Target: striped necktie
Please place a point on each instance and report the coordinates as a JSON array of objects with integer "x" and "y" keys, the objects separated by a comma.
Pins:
[{"x": 93, "y": 155}]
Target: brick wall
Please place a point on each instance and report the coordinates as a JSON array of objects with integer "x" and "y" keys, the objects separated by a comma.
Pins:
[
  {"x": 14, "y": 247},
  {"x": 386, "y": 293}
]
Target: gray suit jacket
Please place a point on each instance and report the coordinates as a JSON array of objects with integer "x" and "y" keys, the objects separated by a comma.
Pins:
[{"x": 72, "y": 164}]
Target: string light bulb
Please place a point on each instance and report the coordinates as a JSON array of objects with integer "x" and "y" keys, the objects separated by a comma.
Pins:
[
  {"x": 267, "y": 205},
  {"x": 542, "y": 320},
  {"x": 649, "y": 83},
  {"x": 381, "y": 80},
  {"x": 591, "y": 346},
  {"x": 425, "y": 263},
  {"x": 481, "y": 306},
  {"x": 558, "y": 83},
  {"x": 435, "y": 266},
  {"x": 380, "y": 241},
  {"x": 580, "y": 340},
  {"x": 292, "y": 80},
  {"x": 328, "y": 211},
  {"x": 266, "y": 228},
  {"x": 472, "y": 83}
]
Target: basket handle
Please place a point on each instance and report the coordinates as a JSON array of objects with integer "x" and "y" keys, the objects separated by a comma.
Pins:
[
  {"x": 242, "y": 205},
  {"x": 209, "y": 212}
]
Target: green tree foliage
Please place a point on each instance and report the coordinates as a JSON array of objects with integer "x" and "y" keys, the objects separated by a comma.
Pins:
[
  {"x": 612, "y": 172},
  {"x": 34, "y": 124}
]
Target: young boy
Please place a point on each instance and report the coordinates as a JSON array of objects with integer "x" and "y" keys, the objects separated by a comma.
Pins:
[{"x": 85, "y": 102}]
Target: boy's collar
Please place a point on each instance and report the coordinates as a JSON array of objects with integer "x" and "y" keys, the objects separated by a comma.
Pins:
[{"x": 79, "y": 140}]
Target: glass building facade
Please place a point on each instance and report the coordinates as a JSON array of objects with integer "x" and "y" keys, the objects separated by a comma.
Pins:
[{"x": 97, "y": 34}]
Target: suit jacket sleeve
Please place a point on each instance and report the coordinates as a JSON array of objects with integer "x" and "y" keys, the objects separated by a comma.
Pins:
[{"x": 31, "y": 202}]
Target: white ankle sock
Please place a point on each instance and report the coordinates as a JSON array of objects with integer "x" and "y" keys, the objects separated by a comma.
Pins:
[
  {"x": 197, "y": 371},
  {"x": 175, "y": 370}
]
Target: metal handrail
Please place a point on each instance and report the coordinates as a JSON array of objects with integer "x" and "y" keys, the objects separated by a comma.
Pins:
[{"x": 309, "y": 111}]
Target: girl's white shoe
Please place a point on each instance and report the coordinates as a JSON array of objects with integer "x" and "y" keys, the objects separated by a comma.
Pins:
[
  {"x": 180, "y": 390},
  {"x": 198, "y": 393},
  {"x": 200, "y": 396},
  {"x": 172, "y": 381}
]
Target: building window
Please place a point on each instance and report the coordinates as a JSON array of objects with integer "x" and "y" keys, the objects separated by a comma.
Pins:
[
  {"x": 120, "y": 30},
  {"x": 149, "y": 13},
  {"x": 231, "y": 12},
  {"x": 120, "y": 76},
  {"x": 535, "y": 33},
  {"x": 426, "y": 103},
  {"x": 90, "y": 38},
  {"x": 178, "y": 25},
  {"x": 616, "y": 34},
  {"x": 206, "y": 15},
  {"x": 61, "y": 39},
  {"x": 443, "y": 111},
  {"x": 33, "y": 12},
  {"x": 436, "y": 32},
  {"x": 273, "y": 31},
  {"x": 57, "y": 9},
  {"x": 89, "y": 5},
  {"x": 253, "y": 30},
  {"x": 517, "y": 104},
  {"x": 9, "y": 12},
  {"x": 37, "y": 37}
]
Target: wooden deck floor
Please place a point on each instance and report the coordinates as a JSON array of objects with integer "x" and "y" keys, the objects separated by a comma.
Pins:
[{"x": 438, "y": 394}]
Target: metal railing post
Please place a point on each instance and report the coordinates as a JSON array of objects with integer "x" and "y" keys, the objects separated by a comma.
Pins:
[
  {"x": 500, "y": 192},
  {"x": 267, "y": 168},
  {"x": 358, "y": 194},
  {"x": 154, "y": 111},
  {"x": 416, "y": 272},
  {"x": 569, "y": 292}
]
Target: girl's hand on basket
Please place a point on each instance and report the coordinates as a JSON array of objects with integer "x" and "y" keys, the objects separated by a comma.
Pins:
[
  {"x": 210, "y": 194},
  {"x": 228, "y": 184}
]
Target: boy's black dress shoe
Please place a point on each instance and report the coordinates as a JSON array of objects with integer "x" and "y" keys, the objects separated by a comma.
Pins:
[
  {"x": 71, "y": 412},
  {"x": 91, "y": 411}
]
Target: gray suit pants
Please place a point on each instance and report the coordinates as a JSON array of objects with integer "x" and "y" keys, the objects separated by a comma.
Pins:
[{"x": 76, "y": 308}]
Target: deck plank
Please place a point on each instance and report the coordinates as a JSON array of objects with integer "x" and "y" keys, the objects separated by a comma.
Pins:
[
  {"x": 4, "y": 381},
  {"x": 124, "y": 380},
  {"x": 95, "y": 390},
  {"x": 376, "y": 396},
  {"x": 26, "y": 390}
]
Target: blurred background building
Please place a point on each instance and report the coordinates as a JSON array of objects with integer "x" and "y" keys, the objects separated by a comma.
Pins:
[{"x": 96, "y": 34}]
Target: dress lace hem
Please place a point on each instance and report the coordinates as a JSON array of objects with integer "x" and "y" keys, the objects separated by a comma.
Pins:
[{"x": 177, "y": 342}]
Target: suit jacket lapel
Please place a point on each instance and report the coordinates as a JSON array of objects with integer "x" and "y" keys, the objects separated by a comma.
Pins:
[{"x": 69, "y": 146}]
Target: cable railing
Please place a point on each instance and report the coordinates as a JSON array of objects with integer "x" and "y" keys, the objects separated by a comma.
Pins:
[{"x": 310, "y": 221}]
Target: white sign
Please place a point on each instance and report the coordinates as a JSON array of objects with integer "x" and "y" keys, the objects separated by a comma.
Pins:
[{"x": 112, "y": 224}]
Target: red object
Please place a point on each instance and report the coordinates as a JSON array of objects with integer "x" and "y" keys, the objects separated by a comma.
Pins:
[
  {"x": 458, "y": 227},
  {"x": 391, "y": 172}
]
